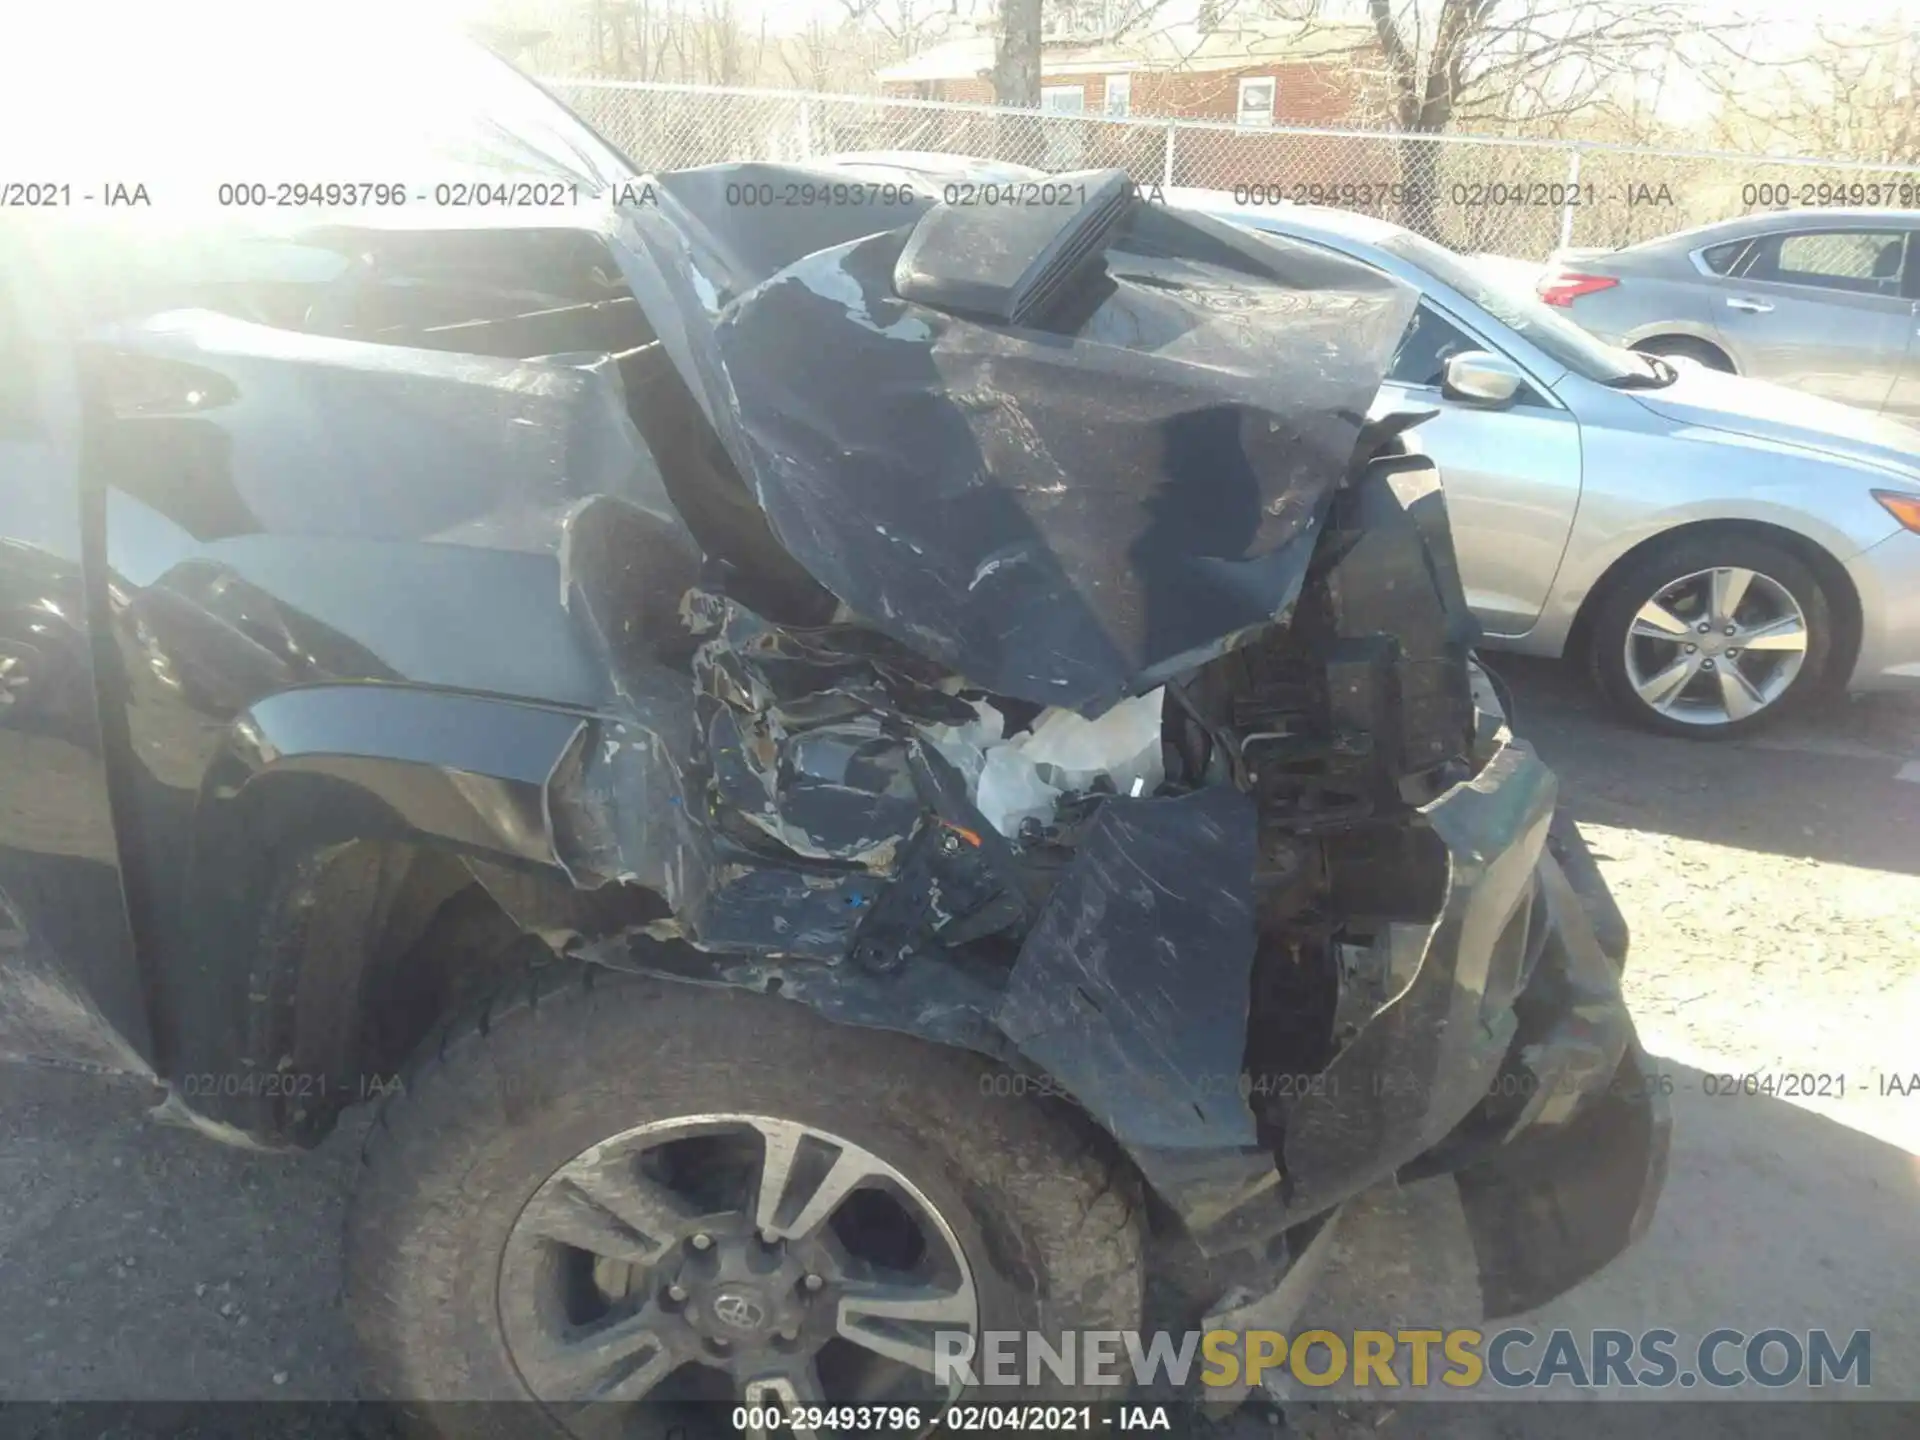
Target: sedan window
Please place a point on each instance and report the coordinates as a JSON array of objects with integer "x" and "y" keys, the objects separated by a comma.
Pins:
[
  {"x": 1431, "y": 340},
  {"x": 1721, "y": 259},
  {"x": 1557, "y": 337},
  {"x": 1864, "y": 262}
]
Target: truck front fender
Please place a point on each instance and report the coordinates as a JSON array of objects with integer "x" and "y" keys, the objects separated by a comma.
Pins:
[
  {"x": 340, "y": 762},
  {"x": 300, "y": 836}
]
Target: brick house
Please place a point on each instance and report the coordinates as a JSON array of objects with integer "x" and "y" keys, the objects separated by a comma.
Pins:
[{"x": 1251, "y": 77}]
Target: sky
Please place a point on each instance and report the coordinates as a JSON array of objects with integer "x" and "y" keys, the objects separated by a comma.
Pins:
[
  {"x": 794, "y": 14},
  {"x": 1787, "y": 17}
]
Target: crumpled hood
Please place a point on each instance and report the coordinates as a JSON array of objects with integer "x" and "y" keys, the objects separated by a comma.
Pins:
[
  {"x": 1064, "y": 517},
  {"x": 1742, "y": 406}
]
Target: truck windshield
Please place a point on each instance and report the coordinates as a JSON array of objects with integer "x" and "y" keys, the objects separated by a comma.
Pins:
[
  {"x": 204, "y": 104},
  {"x": 219, "y": 154}
]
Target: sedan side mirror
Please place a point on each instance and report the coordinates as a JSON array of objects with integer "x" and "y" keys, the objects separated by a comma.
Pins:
[{"x": 1480, "y": 377}]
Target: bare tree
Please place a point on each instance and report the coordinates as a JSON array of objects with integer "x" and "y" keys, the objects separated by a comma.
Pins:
[
  {"x": 909, "y": 25},
  {"x": 1852, "y": 92},
  {"x": 1507, "y": 65},
  {"x": 1513, "y": 65},
  {"x": 630, "y": 38},
  {"x": 810, "y": 58},
  {"x": 725, "y": 48},
  {"x": 1016, "y": 54}
]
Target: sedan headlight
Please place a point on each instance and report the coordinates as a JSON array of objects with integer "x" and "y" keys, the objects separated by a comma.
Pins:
[{"x": 1903, "y": 506}]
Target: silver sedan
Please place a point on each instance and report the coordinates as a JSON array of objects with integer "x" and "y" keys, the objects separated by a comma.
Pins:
[
  {"x": 1822, "y": 300},
  {"x": 1719, "y": 549}
]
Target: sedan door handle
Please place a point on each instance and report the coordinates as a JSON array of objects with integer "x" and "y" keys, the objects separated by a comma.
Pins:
[{"x": 1751, "y": 307}]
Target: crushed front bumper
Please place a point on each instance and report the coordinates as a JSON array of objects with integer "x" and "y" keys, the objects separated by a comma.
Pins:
[
  {"x": 1507, "y": 1059},
  {"x": 1559, "y": 1168},
  {"x": 1559, "y": 1130}
]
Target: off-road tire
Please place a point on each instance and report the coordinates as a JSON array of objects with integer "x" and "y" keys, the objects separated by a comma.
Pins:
[{"x": 1050, "y": 1220}]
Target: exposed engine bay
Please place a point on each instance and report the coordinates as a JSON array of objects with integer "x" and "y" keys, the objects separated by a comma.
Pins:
[
  {"x": 1114, "y": 748},
  {"x": 972, "y": 863}
]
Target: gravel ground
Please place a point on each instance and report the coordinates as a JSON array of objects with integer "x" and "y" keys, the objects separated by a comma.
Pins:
[{"x": 1772, "y": 888}]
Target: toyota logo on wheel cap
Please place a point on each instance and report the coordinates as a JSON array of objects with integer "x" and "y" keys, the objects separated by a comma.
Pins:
[{"x": 739, "y": 1312}]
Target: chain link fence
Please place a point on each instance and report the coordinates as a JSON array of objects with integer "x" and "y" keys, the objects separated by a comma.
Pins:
[{"x": 1518, "y": 198}]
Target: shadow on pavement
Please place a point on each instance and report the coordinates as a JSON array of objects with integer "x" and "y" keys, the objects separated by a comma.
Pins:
[
  {"x": 148, "y": 1262},
  {"x": 1820, "y": 788},
  {"x": 1773, "y": 1216}
]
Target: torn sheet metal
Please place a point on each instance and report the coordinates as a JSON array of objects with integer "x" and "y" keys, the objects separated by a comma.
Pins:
[
  {"x": 822, "y": 820},
  {"x": 614, "y": 799},
  {"x": 788, "y": 803},
  {"x": 811, "y": 735},
  {"x": 1428, "y": 1055},
  {"x": 1131, "y": 989},
  {"x": 1063, "y": 517}
]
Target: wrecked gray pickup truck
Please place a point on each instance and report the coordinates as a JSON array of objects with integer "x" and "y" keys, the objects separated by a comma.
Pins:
[{"x": 895, "y": 770}]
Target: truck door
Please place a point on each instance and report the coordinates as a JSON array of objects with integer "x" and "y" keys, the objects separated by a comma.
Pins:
[{"x": 70, "y": 987}]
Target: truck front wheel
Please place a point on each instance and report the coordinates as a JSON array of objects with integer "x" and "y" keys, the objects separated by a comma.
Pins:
[{"x": 609, "y": 1189}]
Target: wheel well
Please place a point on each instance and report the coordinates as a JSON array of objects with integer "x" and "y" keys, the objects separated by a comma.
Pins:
[
  {"x": 468, "y": 946},
  {"x": 1832, "y": 575},
  {"x": 375, "y": 943},
  {"x": 1686, "y": 342},
  {"x": 424, "y": 939}
]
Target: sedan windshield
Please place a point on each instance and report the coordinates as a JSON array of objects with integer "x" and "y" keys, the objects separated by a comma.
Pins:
[{"x": 1553, "y": 334}]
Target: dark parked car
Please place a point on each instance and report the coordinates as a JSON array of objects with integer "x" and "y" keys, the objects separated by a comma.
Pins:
[{"x": 893, "y": 771}]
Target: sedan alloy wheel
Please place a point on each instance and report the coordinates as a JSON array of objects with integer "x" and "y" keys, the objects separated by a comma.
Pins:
[{"x": 1716, "y": 646}]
